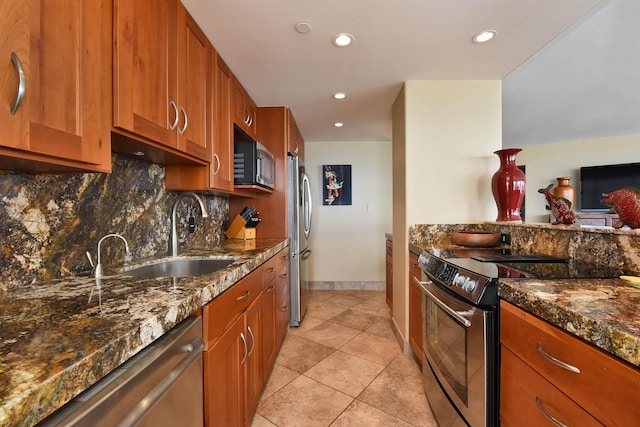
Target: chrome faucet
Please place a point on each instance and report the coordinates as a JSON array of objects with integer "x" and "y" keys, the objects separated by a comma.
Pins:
[
  {"x": 173, "y": 239},
  {"x": 98, "y": 267}
]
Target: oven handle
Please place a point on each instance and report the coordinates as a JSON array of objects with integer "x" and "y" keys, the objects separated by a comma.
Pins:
[{"x": 441, "y": 304}]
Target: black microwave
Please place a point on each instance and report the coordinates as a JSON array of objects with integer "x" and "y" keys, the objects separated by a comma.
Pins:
[{"x": 253, "y": 164}]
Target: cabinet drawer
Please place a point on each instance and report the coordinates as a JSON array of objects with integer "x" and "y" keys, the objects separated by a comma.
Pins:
[
  {"x": 522, "y": 390},
  {"x": 389, "y": 247},
  {"x": 220, "y": 313},
  {"x": 414, "y": 267},
  {"x": 605, "y": 386},
  {"x": 273, "y": 266}
]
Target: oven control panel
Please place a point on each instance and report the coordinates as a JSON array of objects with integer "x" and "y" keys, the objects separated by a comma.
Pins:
[{"x": 463, "y": 282}]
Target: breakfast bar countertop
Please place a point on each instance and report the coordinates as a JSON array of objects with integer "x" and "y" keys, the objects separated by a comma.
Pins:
[
  {"x": 57, "y": 338},
  {"x": 603, "y": 312}
]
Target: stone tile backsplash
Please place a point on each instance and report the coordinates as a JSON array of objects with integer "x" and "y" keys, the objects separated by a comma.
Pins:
[
  {"x": 49, "y": 221},
  {"x": 618, "y": 250}
]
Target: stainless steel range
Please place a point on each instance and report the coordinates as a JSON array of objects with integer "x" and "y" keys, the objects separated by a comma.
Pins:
[{"x": 461, "y": 326}]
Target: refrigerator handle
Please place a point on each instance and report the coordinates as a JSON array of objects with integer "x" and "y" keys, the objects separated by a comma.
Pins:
[{"x": 307, "y": 206}]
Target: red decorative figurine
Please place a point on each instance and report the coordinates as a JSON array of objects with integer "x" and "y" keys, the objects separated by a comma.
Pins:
[
  {"x": 560, "y": 207},
  {"x": 626, "y": 203}
]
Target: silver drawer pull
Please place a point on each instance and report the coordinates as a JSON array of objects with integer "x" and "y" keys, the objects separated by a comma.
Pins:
[
  {"x": 175, "y": 109},
  {"x": 215, "y": 156},
  {"x": 246, "y": 352},
  {"x": 22, "y": 82},
  {"x": 245, "y": 296},
  {"x": 186, "y": 121},
  {"x": 253, "y": 341},
  {"x": 548, "y": 415},
  {"x": 558, "y": 362}
]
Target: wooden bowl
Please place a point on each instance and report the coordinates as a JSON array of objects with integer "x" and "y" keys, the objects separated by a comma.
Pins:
[{"x": 476, "y": 239}]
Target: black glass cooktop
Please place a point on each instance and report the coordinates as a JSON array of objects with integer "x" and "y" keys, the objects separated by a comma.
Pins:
[{"x": 546, "y": 268}]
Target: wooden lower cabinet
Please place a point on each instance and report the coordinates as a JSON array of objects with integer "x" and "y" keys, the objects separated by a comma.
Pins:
[
  {"x": 547, "y": 372},
  {"x": 224, "y": 378},
  {"x": 242, "y": 338},
  {"x": 283, "y": 301},
  {"x": 415, "y": 308},
  {"x": 389, "y": 272}
]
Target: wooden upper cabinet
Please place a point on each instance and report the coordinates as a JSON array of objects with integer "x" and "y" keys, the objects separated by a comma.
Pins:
[
  {"x": 160, "y": 76},
  {"x": 194, "y": 51},
  {"x": 145, "y": 90},
  {"x": 295, "y": 142},
  {"x": 221, "y": 177},
  {"x": 245, "y": 111},
  {"x": 54, "y": 85}
]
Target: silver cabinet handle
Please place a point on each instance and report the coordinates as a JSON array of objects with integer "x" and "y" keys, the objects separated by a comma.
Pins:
[
  {"x": 442, "y": 305},
  {"x": 548, "y": 415},
  {"x": 296, "y": 150},
  {"x": 245, "y": 296},
  {"x": 22, "y": 82},
  {"x": 253, "y": 340},
  {"x": 246, "y": 353},
  {"x": 186, "y": 121},
  {"x": 215, "y": 156},
  {"x": 270, "y": 289},
  {"x": 555, "y": 361},
  {"x": 175, "y": 122},
  {"x": 193, "y": 350}
]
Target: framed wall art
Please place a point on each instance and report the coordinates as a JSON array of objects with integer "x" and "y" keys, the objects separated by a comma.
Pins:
[{"x": 336, "y": 185}]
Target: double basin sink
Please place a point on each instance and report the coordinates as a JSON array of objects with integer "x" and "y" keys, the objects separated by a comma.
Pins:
[{"x": 179, "y": 267}]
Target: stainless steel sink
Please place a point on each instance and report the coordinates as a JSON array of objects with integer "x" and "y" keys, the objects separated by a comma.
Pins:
[{"x": 180, "y": 267}]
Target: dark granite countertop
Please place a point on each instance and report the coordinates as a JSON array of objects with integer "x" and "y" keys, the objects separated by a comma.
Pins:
[
  {"x": 604, "y": 312},
  {"x": 58, "y": 338}
]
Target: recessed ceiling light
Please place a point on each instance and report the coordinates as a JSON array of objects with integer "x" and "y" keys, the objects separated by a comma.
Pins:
[
  {"x": 342, "y": 39},
  {"x": 138, "y": 153},
  {"x": 338, "y": 124},
  {"x": 303, "y": 27},
  {"x": 339, "y": 95},
  {"x": 484, "y": 36}
]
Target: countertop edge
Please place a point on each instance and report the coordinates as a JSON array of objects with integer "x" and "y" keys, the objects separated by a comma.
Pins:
[{"x": 35, "y": 404}]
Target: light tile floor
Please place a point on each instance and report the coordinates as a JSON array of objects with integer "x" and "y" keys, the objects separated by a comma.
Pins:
[{"x": 344, "y": 367}]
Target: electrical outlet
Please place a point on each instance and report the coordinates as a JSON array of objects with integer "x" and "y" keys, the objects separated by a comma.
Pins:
[{"x": 505, "y": 238}]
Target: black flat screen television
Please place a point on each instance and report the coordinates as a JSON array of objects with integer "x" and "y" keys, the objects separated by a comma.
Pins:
[{"x": 596, "y": 180}]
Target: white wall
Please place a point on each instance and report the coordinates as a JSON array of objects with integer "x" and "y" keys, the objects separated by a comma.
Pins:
[
  {"x": 348, "y": 242},
  {"x": 444, "y": 136},
  {"x": 546, "y": 162}
]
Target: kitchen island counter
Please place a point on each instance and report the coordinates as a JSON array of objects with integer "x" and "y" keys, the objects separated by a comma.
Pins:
[
  {"x": 603, "y": 312},
  {"x": 58, "y": 338}
]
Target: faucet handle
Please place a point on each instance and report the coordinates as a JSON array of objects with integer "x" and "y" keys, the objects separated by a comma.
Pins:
[{"x": 90, "y": 260}]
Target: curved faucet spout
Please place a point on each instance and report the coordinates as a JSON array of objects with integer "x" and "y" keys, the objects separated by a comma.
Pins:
[
  {"x": 173, "y": 238},
  {"x": 98, "y": 272}
]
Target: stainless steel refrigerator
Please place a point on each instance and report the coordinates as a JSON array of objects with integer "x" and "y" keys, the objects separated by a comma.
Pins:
[{"x": 300, "y": 213}]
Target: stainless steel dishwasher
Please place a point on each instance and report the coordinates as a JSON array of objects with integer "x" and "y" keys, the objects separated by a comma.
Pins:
[{"x": 160, "y": 386}]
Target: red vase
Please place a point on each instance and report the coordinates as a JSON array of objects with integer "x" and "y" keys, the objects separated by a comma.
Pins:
[{"x": 508, "y": 185}]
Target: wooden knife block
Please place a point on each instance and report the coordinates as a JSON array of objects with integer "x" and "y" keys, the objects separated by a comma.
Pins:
[{"x": 238, "y": 230}]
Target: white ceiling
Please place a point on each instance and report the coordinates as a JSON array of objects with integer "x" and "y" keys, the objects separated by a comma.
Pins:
[
  {"x": 402, "y": 40},
  {"x": 585, "y": 84}
]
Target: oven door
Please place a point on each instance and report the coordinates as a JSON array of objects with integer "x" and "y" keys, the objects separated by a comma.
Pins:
[{"x": 460, "y": 368}]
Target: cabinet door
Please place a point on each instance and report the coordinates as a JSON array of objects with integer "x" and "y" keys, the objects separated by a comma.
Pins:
[
  {"x": 295, "y": 142},
  {"x": 244, "y": 110},
  {"x": 194, "y": 50},
  {"x": 62, "y": 52},
  {"x": 224, "y": 365},
  {"x": 415, "y": 308},
  {"x": 283, "y": 305},
  {"x": 389, "y": 273},
  {"x": 269, "y": 345},
  {"x": 253, "y": 364},
  {"x": 145, "y": 69},
  {"x": 222, "y": 161}
]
